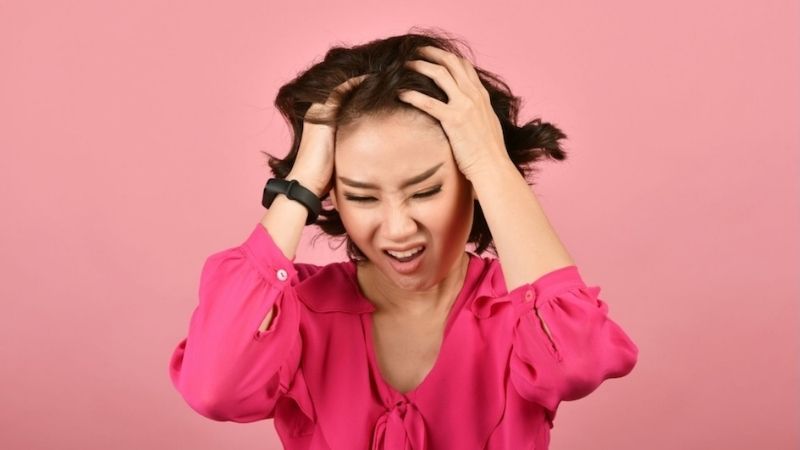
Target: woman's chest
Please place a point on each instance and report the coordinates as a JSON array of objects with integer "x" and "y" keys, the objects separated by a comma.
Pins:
[{"x": 406, "y": 350}]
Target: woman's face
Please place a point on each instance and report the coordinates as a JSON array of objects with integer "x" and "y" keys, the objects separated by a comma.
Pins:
[{"x": 436, "y": 212}]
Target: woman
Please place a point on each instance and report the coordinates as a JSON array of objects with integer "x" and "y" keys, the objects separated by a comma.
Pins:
[{"x": 414, "y": 342}]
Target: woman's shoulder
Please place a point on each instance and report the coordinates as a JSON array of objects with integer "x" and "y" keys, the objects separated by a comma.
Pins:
[
  {"x": 331, "y": 287},
  {"x": 488, "y": 272},
  {"x": 307, "y": 270}
]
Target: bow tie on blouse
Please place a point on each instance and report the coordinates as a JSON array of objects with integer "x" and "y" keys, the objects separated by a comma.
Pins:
[{"x": 400, "y": 428}]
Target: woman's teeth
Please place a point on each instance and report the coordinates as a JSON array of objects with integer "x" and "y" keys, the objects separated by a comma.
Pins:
[{"x": 405, "y": 254}]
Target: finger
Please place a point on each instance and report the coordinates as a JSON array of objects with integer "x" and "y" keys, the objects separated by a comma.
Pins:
[
  {"x": 448, "y": 60},
  {"x": 440, "y": 75},
  {"x": 344, "y": 87},
  {"x": 471, "y": 72},
  {"x": 428, "y": 104}
]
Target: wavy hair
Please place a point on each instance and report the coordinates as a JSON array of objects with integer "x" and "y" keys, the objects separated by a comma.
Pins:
[{"x": 377, "y": 95}]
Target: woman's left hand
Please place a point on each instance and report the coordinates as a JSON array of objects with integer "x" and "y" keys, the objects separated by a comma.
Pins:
[{"x": 468, "y": 119}]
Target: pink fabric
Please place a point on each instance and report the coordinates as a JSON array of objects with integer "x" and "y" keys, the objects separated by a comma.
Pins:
[{"x": 496, "y": 384}]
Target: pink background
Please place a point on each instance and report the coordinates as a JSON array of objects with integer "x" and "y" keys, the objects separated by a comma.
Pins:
[{"x": 130, "y": 135}]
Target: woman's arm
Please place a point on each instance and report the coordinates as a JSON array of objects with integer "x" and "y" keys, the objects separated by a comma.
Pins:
[
  {"x": 236, "y": 361},
  {"x": 565, "y": 344},
  {"x": 284, "y": 221},
  {"x": 527, "y": 245}
]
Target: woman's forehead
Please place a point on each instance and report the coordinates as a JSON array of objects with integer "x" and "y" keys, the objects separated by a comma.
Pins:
[
  {"x": 392, "y": 141},
  {"x": 396, "y": 160}
]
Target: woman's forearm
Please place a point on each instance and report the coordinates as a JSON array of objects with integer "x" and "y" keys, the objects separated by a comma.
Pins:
[{"x": 527, "y": 245}]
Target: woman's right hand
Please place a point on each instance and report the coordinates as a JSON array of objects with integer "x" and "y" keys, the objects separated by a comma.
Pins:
[{"x": 314, "y": 163}]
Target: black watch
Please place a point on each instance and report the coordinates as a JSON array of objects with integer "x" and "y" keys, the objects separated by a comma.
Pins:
[{"x": 294, "y": 191}]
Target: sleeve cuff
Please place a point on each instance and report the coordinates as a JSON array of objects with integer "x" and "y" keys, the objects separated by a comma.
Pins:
[
  {"x": 556, "y": 281},
  {"x": 268, "y": 258},
  {"x": 548, "y": 285}
]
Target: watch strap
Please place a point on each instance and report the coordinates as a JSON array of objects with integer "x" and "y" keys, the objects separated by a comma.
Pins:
[{"x": 295, "y": 191}]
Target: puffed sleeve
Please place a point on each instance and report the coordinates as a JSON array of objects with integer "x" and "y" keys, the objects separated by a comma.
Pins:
[
  {"x": 225, "y": 368},
  {"x": 564, "y": 343}
]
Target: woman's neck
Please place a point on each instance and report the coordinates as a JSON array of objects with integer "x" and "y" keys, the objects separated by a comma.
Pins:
[{"x": 391, "y": 299}]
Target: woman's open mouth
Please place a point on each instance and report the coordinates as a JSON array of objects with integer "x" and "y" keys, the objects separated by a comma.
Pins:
[{"x": 405, "y": 262}]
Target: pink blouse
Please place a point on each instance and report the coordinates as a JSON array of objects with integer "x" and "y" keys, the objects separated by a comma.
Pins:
[{"x": 496, "y": 384}]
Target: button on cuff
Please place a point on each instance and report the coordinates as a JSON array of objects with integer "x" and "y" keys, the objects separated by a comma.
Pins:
[
  {"x": 268, "y": 258},
  {"x": 282, "y": 275}
]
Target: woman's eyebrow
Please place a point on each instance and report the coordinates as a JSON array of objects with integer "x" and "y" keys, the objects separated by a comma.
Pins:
[{"x": 411, "y": 181}]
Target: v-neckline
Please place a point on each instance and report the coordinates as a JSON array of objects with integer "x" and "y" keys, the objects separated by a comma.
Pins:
[{"x": 390, "y": 393}]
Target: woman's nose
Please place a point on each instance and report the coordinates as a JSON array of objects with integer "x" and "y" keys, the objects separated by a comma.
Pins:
[{"x": 399, "y": 225}]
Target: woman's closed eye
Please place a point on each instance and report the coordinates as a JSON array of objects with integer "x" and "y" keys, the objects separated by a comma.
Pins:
[{"x": 429, "y": 193}]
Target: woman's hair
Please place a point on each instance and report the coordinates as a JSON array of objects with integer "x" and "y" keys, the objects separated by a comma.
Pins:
[{"x": 377, "y": 95}]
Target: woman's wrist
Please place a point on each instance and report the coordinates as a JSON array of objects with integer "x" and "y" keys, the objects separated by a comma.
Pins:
[{"x": 307, "y": 181}]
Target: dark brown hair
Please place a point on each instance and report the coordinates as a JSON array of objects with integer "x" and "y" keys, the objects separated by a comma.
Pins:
[{"x": 377, "y": 95}]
